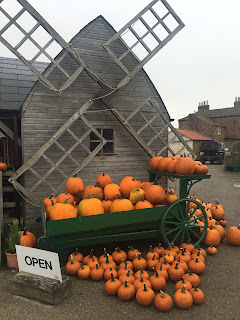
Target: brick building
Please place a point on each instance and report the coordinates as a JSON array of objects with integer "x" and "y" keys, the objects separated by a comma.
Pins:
[{"x": 221, "y": 125}]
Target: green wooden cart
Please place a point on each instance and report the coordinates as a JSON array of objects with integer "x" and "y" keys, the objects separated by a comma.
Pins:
[{"x": 171, "y": 222}]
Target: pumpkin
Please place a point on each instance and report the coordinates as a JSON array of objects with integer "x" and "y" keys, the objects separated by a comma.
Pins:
[
  {"x": 159, "y": 249},
  {"x": 74, "y": 185},
  {"x": 119, "y": 255},
  {"x": 106, "y": 205},
  {"x": 143, "y": 204},
  {"x": 27, "y": 239},
  {"x": 153, "y": 162},
  {"x": 201, "y": 169},
  {"x": 78, "y": 197},
  {"x": 65, "y": 196},
  {"x": 127, "y": 277},
  {"x": 233, "y": 235},
  {"x": 84, "y": 272},
  {"x": 182, "y": 283},
  {"x": 112, "y": 285},
  {"x": 136, "y": 195},
  {"x": 217, "y": 212},
  {"x": 108, "y": 273},
  {"x": 171, "y": 197},
  {"x": 151, "y": 263},
  {"x": 197, "y": 266},
  {"x": 211, "y": 250},
  {"x": 139, "y": 283},
  {"x": 103, "y": 179},
  {"x": 202, "y": 252},
  {"x": 212, "y": 237},
  {"x": 61, "y": 211},
  {"x": 185, "y": 166},
  {"x": 145, "y": 185},
  {"x": 97, "y": 273},
  {"x": 145, "y": 296},
  {"x": 103, "y": 257},
  {"x": 163, "y": 301},
  {"x": 199, "y": 256},
  {"x": 141, "y": 273},
  {"x": 128, "y": 264},
  {"x": 49, "y": 201},
  {"x": 158, "y": 282},
  {"x": 155, "y": 194},
  {"x": 175, "y": 273},
  {"x": 162, "y": 272},
  {"x": 188, "y": 246},
  {"x": 86, "y": 191},
  {"x": 127, "y": 184},
  {"x": 72, "y": 267},
  {"x": 197, "y": 294},
  {"x": 124, "y": 271},
  {"x": 150, "y": 253},
  {"x": 76, "y": 256},
  {"x": 171, "y": 165},
  {"x": 181, "y": 264},
  {"x": 132, "y": 253},
  {"x": 126, "y": 291},
  {"x": 89, "y": 207},
  {"x": 162, "y": 164},
  {"x": 94, "y": 192},
  {"x": 223, "y": 222},
  {"x": 192, "y": 277},
  {"x": 112, "y": 191},
  {"x": 139, "y": 262},
  {"x": 87, "y": 258},
  {"x": 183, "y": 298},
  {"x": 3, "y": 166},
  {"x": 221, "y": 231},
  {"x": 107, "y": 264},
  {"x": 92, "y": 263},
  {"x": 121, "y": 204}
]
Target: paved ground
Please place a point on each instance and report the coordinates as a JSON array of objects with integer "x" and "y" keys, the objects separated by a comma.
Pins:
[{"x": 220, "y": 283}]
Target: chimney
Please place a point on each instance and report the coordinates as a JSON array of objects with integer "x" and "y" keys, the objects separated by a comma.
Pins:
[
  {"x": 203, "y": 106},
  {"x": 237, "y": 102}
]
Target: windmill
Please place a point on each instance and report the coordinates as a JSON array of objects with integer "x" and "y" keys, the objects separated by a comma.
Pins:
[{"x": 149, "y": 31}]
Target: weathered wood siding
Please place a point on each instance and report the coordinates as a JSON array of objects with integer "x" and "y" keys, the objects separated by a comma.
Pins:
[{"x": 46, "y": 112}]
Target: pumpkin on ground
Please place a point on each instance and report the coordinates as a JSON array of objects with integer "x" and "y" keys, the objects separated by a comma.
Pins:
[
  {"x": 112, "y": 285},
  {"x": 126, "y": 291},
  {"x": 28, "y": 239},
  {"x": 183, "y": 298},
  {"x": 233, "y": 235},
  {"x": 72, "y": 267},
  {"x": 163, "y": 301},
  {"x": 145, "y": 296}
]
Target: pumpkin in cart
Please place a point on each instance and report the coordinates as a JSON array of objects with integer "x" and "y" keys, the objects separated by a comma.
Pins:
[
  {"x": 136, "y": 195},
  {"x": 103, "y": 179},
  {"x": 155, "y": 194},
  {"x": 111, "y": 191},
  {"x": 185, "y": 166},
  {"x": 74, "y": 185},
  {"x": 61, "y": 211},
  {"x": 154, "y": 162},
  {"x": 65, "y": 197},
  {"x": 121, "y": 204},
  {"x": 90, "y": 206},
  {"x": 127, "y": 184},
  {"x": 94, "y": 192},
  {"x": 50, "y": 201}
]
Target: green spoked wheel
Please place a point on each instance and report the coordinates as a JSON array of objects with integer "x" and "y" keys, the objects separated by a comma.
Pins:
[{"x": 179, "y": 225}]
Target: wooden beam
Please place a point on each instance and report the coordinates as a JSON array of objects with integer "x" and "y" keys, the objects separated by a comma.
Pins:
[{"x": 9, "y": 132}]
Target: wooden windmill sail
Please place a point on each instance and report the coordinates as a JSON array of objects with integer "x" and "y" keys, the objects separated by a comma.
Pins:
[{"x": 144, "y": 120}]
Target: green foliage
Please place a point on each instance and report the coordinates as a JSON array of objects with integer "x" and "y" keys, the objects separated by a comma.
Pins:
[{"x": 14, "y": 235}]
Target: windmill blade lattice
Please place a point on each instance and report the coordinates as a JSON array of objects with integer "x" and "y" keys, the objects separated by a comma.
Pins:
[
  {"x": 26, "y": 42},
  {"x": 144, "y": 35},
  {"x": 70, "y": 146}
]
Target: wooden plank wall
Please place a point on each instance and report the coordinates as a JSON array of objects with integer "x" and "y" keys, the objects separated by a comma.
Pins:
[{"x": 46, "y": 112}]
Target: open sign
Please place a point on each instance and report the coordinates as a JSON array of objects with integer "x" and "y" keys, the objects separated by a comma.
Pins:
[{"x": 40, "y": 262}]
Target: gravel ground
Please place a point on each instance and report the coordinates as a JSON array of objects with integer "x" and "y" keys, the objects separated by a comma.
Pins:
[{"x": 220, "y": 282}]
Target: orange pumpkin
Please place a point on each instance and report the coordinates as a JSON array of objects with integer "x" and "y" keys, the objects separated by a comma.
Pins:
[
  {"x": 233, "y": 236},
  {"x": 27, "y": 239},
  {"x": 162, "y": 164},
  {"x": 3, "y": 166},
  {"x": 94, "y": 192},
  {"x": 63, "y": 196},
  {"x": 111, "y": 191},
  {"x": 89, "y": 207},
  {"x": 154, "y": 162},
  {"x": 143, "y": 204},
  {"x": 119, "y": 205},
  {"x": 61, "y": 211},
  {"x": 185, "y": 166},
  {"x": 74, "y": 185},
  {"x": 103, "y": 179},
  {"x": 127, "y": 184},
  {"x": 155, "y": 194},
  {"x": 49, "y": 201},
  {"x": 106, "y": 205}
]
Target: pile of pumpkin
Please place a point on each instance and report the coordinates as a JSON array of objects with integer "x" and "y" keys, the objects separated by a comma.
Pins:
[
  {"x": 128, "y": 275},
  {"x": 177, "y": 164},
  {"x": 105, "y": 197}
]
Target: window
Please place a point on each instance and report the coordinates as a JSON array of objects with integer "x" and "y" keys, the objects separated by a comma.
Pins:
[
  {"x": 108, "y": 134},
  {"x": 219, "y": 131}
]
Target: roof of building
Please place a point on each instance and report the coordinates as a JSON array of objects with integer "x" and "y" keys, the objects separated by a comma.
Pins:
[
  {"x": 193, "y": 135},
  {"x": 216, "y": 113},
  {"x": 16, "y": 81}
]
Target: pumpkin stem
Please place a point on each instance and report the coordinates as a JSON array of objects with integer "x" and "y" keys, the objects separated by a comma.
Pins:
[
  {"x": 112, "y": 277},
  {"x": 89, "y": 196},
  {"x": 71, "y": 259},
  {"x": 156, "y": 273},
  {"x": 183, "y": 280},
  {"x": 24, "y": 231},
  {"x": 159, "y": 245},
  {"x": 151, "y": 249},
  {"x": 91, "y": 253},
  {"x": 119, "y": 197},
  {"x": 139, "y": 255},
  {"x": 81, "y": 266},
  {"x": 97, "y": 266},
  {"x": 141, "y": 278},
  {"x": 66, "y": 200},
  {"x": 176, "y": 266},
  {"x": 153, "y": 258},
  {"x": 141, "y": 268},
  {"x": 183, "y": 289},
  {"x": 195, "y": 288},
  {"x": 144, "y": 287},
  {"x": 162, "y": 294},
  {"x": 118, "y": 249},
  {"x": 126, "y": 284},
  {"x": 128, "y": 273},
  {"x": 143, "y": 199},
  {"x": 130, "y": 247},
  {"x": 107, "y": 261},
  {"x": 160, "y": 268}
]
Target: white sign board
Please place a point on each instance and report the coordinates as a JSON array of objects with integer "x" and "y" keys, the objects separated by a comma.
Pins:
[{"x": 40, "y": 262}]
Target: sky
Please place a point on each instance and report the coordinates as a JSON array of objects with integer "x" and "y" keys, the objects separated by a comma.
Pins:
[{"x": 202, "y": 62}]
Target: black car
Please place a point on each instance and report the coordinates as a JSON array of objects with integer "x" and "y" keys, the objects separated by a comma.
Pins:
[{"x": 211, "y": 151}]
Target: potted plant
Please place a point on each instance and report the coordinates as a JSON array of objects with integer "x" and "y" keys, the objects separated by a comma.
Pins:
[{"x": 13, "y": 239}]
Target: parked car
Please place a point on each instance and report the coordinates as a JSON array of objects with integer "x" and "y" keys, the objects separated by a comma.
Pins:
[{"x": 211, "y": 151}]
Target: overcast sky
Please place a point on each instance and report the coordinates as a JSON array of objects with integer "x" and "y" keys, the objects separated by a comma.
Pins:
[{"x": 202, "y": 62}]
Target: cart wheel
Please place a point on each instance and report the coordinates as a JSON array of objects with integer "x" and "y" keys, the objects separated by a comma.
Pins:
[{"x": 178, "y": 225}]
